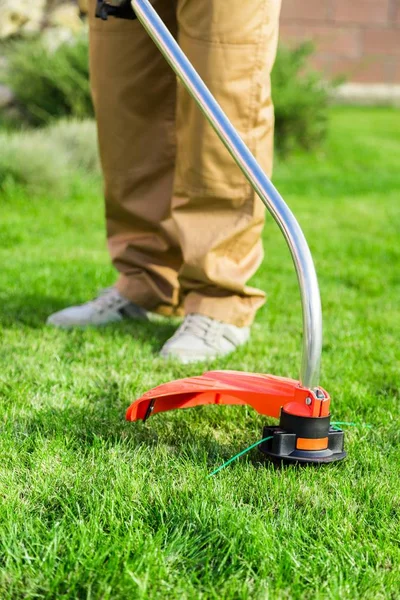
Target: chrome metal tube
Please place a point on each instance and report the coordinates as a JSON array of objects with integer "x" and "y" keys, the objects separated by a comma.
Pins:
[{"x": 310, "y": 297}]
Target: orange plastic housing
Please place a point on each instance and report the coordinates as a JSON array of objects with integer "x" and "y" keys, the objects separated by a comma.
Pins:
[{"x": 267, "y": 394}]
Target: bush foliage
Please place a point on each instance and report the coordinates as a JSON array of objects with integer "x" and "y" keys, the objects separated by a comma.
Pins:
[
  {"x": 50, "y": 84},
  {"x": 43, "y": 160},
  {"x": 301, "y": 99}
]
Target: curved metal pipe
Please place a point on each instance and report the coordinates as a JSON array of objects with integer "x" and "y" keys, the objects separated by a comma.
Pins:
[{"x": 307, "y": 278}]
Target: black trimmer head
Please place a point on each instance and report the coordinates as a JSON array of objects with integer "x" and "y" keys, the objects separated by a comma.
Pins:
[{"x": 305, "y": 440}]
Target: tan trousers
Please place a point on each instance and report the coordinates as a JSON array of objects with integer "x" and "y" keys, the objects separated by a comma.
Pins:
[{"x": 183, "y": 225}]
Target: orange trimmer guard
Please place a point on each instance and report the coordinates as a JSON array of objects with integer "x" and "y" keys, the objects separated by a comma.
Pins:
[
  {"x": 267, "y": 394},
  {"x": 304, "y": 434}
]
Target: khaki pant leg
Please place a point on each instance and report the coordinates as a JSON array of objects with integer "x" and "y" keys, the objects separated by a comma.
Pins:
[
  {"x": 134, "y": 93},
  {"x": 218, "y": 217}
]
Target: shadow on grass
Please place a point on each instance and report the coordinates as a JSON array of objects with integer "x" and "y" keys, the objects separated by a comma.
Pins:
[
  {"x": 28, "y": 310},
  {"x": 32, "y": 311},
  {"x": 86, "y": 431},
  {"x": 101, "y": 424}
]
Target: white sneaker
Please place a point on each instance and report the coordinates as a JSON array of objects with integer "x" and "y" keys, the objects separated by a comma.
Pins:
[
  {"x": 108, "y": 307},
  {"x": 202, "y": 338}
]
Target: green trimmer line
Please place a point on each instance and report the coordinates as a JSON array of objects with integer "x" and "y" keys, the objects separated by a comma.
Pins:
[{"x": 304, "y": 434}]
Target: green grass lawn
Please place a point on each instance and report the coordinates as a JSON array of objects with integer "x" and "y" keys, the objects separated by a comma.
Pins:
[{"x": 95, "y": 507}]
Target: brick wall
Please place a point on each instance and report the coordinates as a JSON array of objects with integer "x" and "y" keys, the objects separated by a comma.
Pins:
[{"x": 357, "y": 38}]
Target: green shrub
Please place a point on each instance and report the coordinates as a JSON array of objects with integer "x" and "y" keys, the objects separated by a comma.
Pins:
[
  {"x": 301, "y": 99},
  {"x": 77, "y": 140},
  {"x": 49, "y": 84},
  {"x": 32, "y": 161},
  {"x": 43, "y": 160},
  {"x": 52, "y": 84}
]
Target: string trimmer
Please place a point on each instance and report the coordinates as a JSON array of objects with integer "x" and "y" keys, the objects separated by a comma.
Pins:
[{"x": 304, "y": 434}]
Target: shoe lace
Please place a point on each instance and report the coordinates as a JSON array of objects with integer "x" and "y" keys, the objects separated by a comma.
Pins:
[
  {"x": 108, "y": 298},
  {"x": 200, "y": 326}
]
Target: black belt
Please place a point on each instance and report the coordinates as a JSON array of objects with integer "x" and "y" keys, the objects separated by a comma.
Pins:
[{"x": 120, "y": 9}]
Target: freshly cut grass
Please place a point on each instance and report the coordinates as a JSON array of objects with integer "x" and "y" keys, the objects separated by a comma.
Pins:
[{"x": 95, "y": 507}]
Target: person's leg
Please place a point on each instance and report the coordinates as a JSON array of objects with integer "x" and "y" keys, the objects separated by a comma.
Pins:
[
  {"x": 218, "y": 217},
  {"x": 134, "y": 94}
]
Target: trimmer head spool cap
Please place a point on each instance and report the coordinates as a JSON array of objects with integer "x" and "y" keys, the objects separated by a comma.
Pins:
[{"x": 306, "y": 440}]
